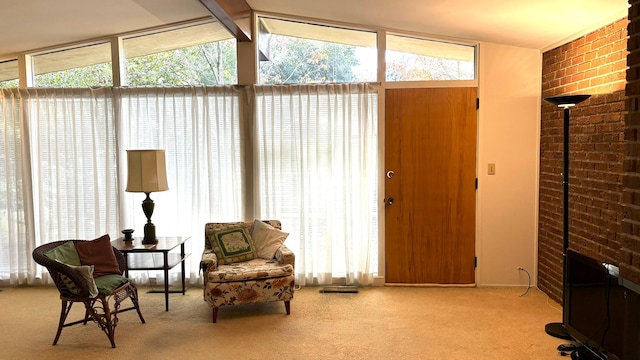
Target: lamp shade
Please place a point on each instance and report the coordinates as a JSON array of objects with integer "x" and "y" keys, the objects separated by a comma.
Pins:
[
  {"x": 567, "y": 100},
  {"x": 147, "y": 171}
]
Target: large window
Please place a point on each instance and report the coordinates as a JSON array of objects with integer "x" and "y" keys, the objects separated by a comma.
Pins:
[
  {"x": 203, "y": 54},
  {"x": 411, "y": 59},
  {"x": 300, "y": 53},
  {"x": 85, "y": 66}
]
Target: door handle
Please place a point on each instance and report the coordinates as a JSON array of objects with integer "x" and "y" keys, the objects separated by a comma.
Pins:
[
  {"x": 390, "y": 200},
  {"x": 390, "y": 174}
]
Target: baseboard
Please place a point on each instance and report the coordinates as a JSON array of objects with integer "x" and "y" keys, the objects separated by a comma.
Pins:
[{"x": 431, "y": 285}]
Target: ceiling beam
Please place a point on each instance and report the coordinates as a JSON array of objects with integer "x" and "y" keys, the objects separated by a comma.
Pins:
[{"x": 235, "y": 15}]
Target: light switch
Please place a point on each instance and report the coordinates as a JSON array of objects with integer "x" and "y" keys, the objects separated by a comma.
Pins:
[{"x": 491, "y": 169}]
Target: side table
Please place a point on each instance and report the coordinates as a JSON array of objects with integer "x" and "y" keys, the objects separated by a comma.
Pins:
[{"x": 139, "y": 256}]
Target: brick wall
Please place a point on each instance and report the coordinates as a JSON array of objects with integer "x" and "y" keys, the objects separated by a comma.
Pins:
[
  {"x": 593, "y": 64},
  {"x": 630, "y": 233}
]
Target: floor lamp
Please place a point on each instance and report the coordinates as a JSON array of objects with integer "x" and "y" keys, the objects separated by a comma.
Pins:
[{"x": 566, "y": 102}]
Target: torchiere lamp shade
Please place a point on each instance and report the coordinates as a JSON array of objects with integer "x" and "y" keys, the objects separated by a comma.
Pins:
[
  {"x": 567, "y": 100},
  {"x": 147, "y": 171}
]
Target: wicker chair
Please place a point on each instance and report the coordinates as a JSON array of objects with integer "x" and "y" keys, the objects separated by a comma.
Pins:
[{"x": 97, "y": 308}]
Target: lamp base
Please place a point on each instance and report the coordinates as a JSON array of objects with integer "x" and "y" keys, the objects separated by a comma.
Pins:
[
  {"x": 149, "y": 234},
  {"x": 557, "y": 330}
]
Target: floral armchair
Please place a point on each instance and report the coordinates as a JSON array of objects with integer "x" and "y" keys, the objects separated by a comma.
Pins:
[{"x": 246, "y": 262}]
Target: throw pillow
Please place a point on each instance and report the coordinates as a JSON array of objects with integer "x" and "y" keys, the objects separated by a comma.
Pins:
[
  {"x": 86, "y": 272},
  {"x": 65, "y": 253},
  {"x": 267, "y": 239},
  {"x": 99, "y": 253},
  {"x": 232, "y": 244}
]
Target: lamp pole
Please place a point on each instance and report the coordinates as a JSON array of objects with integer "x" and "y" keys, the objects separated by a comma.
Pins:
[
  {"x": 565, "y": 185},
  {"x": 566, "y": 102}
]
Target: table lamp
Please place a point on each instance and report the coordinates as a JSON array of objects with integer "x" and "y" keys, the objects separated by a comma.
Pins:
[{"x": 147, "y": 173}]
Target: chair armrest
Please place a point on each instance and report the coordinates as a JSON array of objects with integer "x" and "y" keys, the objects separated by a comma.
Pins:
[
  {"x": 284, "y": 255},
  {"x": 209, "y": 261}
]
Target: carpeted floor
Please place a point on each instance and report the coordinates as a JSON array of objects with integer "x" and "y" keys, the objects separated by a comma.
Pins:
[{"x": 376, "y": 323}]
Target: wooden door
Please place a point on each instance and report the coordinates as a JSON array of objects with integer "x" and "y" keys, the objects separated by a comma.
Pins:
[{"x": 431, "y": 150}]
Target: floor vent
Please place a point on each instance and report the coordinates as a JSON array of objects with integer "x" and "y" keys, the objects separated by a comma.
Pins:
[{"x": 345, "y": 289}]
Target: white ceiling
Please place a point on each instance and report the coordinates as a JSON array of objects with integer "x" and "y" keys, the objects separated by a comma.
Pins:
[{"x": 538, "y": 24}]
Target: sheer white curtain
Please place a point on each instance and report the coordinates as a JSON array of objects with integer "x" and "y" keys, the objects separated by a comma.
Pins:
[
  {"x": 199, "y": 129},
  {"x": 59, "y": 175},
  {"x": 312, "y": 164},
  {"x": 315, "y": 160},
  {"x": 63, "y": 165},
  {"x": 15, "y": 266}
]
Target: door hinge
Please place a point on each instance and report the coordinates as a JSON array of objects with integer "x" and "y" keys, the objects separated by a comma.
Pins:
[
  {"x": 477, "y": 103},
  {"x": 475, "y": 261},
  {"x": 476, "y": 183}
]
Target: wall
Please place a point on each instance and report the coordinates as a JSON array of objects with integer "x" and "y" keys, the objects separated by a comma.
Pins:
[
  {"x": 509, "y": 91},
  {"x": 630, "y": 232},
  {"x": 592, "y": 64}
]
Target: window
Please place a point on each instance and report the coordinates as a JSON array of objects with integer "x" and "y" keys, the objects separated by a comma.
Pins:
[
  {"x": 85, "y": 66},
  {"x": 411, "y": 59},
  {"x": 203, "y": 54},
  {"x": 300, "y": 53},
  {"x": 9, "y": 74}
]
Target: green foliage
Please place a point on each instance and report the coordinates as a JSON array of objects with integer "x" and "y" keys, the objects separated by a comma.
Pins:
[
  {"x": 88, "y": 76},
  {"x": 293, "y": 61},
  {"x": 301, "y": 61},
  {"x": 207, "y": 64},
  {"x": 9, "y": 83},
  {"x": 412, "y": 67}
]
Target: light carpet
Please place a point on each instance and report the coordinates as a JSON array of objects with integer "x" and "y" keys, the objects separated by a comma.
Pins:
[{"x": 376, "y": 323}]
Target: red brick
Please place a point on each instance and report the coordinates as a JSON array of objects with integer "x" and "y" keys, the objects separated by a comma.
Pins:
[{"x": 595, "y": 63}]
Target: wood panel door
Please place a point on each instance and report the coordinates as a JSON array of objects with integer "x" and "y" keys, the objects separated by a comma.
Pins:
[{"x": 431, "y": 150}]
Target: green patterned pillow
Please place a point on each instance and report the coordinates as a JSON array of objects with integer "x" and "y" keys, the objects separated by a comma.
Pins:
[
  {"x": 86, "y": 272},
  {"x": 232, "y": 244}
]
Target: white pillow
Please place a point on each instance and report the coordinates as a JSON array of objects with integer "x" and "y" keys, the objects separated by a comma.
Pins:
[
  {"x": 86, "y": 271},
  {"x": 267, "y": 239}
]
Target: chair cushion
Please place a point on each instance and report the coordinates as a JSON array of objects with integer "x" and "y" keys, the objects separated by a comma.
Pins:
[
  {"x": 250, "y": 270},
  {"x": 107, "y": 283},
  {"x": 232, "y": 244},
  {"x": 99, "y": 253},
  {"x": 65, "y": 253},
  {"x": 267, "y": 239}
]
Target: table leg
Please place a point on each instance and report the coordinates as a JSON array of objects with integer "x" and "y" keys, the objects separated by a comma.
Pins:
[
  {"x": 126, "y": 265},
  {"x": 166, "y": 280},
  {"x": 183, "y": 267}
]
